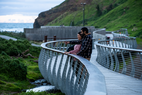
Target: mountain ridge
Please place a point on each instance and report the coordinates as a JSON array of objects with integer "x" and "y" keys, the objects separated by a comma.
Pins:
[
  {"x": 48, "y": 16},
  {"x": 109, "y": 14}
]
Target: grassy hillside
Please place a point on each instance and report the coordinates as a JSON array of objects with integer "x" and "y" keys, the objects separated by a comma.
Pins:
[
  {"x": 111, "y": 14},
  {"x": 16, "y": 72}
]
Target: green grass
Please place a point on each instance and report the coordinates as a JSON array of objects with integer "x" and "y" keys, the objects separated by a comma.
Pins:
[
  {"x": 139, "y": 42},
  {"x": 40, "y": 93},
  {"x": 124, "y": 14},
  {"x": 16, "y": 72},
  {"x": 17, "y": 35},
  {"x": 8, "y": 84}
]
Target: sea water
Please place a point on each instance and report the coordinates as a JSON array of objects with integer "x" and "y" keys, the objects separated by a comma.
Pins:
[
  {"x": 15, "y": 27},
  {"x": 41, "y": 88}
]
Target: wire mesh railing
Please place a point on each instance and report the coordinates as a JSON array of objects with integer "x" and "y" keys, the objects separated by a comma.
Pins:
[
  {"x": 120, "y": 55},
  {"x": 121, "y": 42},
  {"x": 67, "y": 72}
]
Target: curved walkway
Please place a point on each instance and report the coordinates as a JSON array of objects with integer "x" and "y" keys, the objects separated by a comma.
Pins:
[
  {"x": 7, "y": 37},
  {"x": 14, "y": 39},
  {"x": 116, "y": 83}
]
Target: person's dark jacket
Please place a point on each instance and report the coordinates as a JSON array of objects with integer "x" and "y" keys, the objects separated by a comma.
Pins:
[{"x": 86, "y": 46}]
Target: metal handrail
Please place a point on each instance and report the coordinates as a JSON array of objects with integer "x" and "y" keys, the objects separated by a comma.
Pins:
[
  {"x": 62, "y": 70},
  {"x": 121, "y": 42},
  {"x": 123, "y": 58}
]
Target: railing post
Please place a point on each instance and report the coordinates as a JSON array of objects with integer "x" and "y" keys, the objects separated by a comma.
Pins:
[
  {"x": 132, "y": 65},
  {"x": 85, "y": 78},
  {"x": 119, "y": 43},
  {"x": 69, "y": 90},
  {"x": 140, "y": 54},
  {"x": 59, "y": 73},
  {"x": 124, "y": 64},
  {"x": 125, "y": 42},
  {"x": 116, "y": 61},
  {"x": 64, "y": 47},
  {"x": 40, "y": 56},
  {"x": 135, "y": 43},
  {"x": 54, "y": 38},
  {"x": 42, "y": 62},
  {"x": 54, "y": 71},
  {"x": 78, "y": 77},
  {"x": 112, "y": 62},
  {"x": 108, "y": 59},
  {"x": 104, "y": 57},
  {"x": 64, "y": 75},
  {"x": 80, "y": 71},
  {"x": 122, "y": 43},
  {"x": 73, "y": 78},
  {"x": 99, "y": 55},
  {"x": 128, "y": 43},
  {"x": 46, "y": 59},
  {"x": 49, "y": 68},
  {"x": 45, "y": 38}
]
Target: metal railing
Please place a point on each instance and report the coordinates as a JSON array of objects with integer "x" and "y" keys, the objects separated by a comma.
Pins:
[
  {"x": 72, "y": 74},
  {"x": 97, "y": 36},
  {"x": 120, "y": 55},
  {"x": 122, "y": 32},
  {"x": 120, "y": 42}
]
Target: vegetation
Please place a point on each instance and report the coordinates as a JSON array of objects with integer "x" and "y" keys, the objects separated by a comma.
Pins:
[
  {"x": 16, "y": 70},
  {"x": 109, "y": 14},
  {"x": 40, "y": 93},
  {"x": 17, "y": 35}
]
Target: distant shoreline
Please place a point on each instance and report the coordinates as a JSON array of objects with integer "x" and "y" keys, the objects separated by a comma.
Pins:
[{"x": 15, "y": 27}]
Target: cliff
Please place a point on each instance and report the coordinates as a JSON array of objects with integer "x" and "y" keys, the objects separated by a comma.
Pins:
[
  {"x": 109, "y": 14},
  {"x": 67, "y": 6}
]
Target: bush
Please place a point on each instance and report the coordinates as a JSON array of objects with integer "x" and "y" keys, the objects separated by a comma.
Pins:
[
  {"x": 13, "y": 51},
  {"x": 17, "y": 70},
  {"x": 140, "y": 36},
  {"x": 13, "y": 48},
  {"x": 12, "y": 67}
]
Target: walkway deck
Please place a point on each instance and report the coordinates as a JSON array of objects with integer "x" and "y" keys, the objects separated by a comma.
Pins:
[
  {"x": 116, "y": 83},
  {"x": 14, "y": 39},
  {"x": 7, "y": 37}
]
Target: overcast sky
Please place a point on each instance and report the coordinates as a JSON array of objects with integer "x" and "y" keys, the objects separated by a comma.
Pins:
[{"x": 17, "y": 11}]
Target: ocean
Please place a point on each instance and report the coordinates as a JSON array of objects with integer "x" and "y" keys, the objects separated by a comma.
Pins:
[{"x": 15, "y": 27}]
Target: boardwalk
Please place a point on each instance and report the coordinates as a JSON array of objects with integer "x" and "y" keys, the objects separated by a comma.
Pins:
[
  {"x": 7, "y": 37},
  {"x": 116, "y": 83},
  {"x": 14, "y": 39}
]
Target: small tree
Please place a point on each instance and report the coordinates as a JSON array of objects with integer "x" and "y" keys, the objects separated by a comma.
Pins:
[
  {"x": 110, "y": 7},
  {"x": 99, "y": 12}
]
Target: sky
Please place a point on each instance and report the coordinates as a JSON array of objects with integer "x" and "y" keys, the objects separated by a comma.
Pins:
[{"x": 24, "y": 11}]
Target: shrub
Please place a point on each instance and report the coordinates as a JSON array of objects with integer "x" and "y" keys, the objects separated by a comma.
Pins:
[
  {"x": 13, "y": 51},
  {"x": 13, "y": 68},
  {"x": 13, "y": 48}
]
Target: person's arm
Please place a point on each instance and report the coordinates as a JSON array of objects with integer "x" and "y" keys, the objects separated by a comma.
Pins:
[
  {"x": 76, "y": 49},
  {"x": 70, "y": 48},
  {"x": 87, "y": 43},
  {"x": 75, "y": 42}
]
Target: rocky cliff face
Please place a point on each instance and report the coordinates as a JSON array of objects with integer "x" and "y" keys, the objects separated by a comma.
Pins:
[{"x": 67, "y": 6}]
